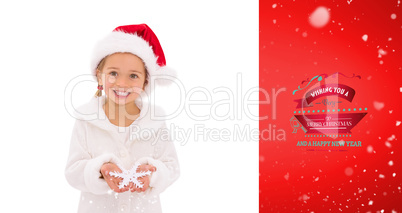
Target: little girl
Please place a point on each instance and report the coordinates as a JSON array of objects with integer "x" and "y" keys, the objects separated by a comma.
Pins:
[{"x": 114, "y": 132}]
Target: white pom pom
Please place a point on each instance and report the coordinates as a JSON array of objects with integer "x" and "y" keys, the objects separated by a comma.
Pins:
[{"x": 164, "y": 76}]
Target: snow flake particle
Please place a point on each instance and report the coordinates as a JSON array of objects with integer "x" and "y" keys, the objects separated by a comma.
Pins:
[
  {"x": 381, "y": 176},
  {"x": 348, "y": 171},
  {"x": 130, "y": 176},
  {"x": 391, "y": 138},
  {"x": 364, "y": 37},
  {"x": 388, "y": 144},
  {"x": 370, "y": 149},
  {"x": 378, "y": 105},
  {"x": 398, "y": 123},
  {"x": 381, "y": 52},
  {"x": 286, "y": 176},
  {"x": 390, "y": 163},
  {"x": 393, "y": 16},
  {"x": 370, "y": 203},
  {"x": 320, "y": 17}
]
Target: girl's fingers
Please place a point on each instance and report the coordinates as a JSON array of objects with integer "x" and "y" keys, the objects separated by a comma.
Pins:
[
  {"x": 151, "y": 168},
  {"x": 115, "y": 181},
  {"x": 146, "y": 167},
  {"x": 146, "y": 184},
  {"x": 132, "y": 187}
]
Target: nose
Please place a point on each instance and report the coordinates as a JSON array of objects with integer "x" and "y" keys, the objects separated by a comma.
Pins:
[{"x": 122, "y": 82}]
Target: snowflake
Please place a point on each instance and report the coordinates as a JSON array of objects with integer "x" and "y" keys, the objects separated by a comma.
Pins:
[{"x": 130, "y": 176}]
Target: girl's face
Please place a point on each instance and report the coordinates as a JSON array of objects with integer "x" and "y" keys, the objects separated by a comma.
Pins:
[{"x": 122, "y": 76}]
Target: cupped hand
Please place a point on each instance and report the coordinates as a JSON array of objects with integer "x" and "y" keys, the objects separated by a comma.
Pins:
[
  {"x": 144, "y": 180},
  {"x": 112, "y": 182}
]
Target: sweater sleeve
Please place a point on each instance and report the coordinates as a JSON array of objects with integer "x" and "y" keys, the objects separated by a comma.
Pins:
[
  {"x": 82, "y": 170},
  {"x": 166, "y": 163}
]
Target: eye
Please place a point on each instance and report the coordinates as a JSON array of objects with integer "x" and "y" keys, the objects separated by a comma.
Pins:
[
  {"x": 113, "y": 73},
  {"x": 133, "y": 76}
]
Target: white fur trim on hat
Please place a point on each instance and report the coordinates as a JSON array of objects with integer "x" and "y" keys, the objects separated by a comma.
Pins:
[{"x": 118, "y": 41}]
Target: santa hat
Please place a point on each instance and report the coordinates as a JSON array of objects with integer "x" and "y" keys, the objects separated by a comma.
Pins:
[{"x": 139, "y": 40}]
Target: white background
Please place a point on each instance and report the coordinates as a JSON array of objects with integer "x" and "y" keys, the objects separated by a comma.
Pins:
[{"x": 46, "y": 44}]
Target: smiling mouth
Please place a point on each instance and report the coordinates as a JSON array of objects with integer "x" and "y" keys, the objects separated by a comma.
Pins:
[{"x": 120, "y": 94}]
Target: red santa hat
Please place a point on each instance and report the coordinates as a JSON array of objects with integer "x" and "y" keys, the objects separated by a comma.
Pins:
[{"x": 139, "y": 40}]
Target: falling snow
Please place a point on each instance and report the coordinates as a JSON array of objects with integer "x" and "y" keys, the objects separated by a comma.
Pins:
[
  {"x": 348, "y": 171},
  {"x": 304, "y": 197},
  {"x": 370, "y": 149},
  {"x": 320, "y": 17},
  {"x": 391, "y": 138},
  {"x": 378, "y": 105},
  {"x": 381, "y": 53},
  {"x": 364, "y": 37},
  {"x": 388, "y": 144},
  {"x": 286, "y": 176}
]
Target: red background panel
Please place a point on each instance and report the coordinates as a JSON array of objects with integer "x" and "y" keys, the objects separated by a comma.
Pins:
[{"x": 333, "y": 179}]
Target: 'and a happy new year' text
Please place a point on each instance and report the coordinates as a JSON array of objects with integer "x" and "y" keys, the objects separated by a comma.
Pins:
[{"x": 329, "y": 143}]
